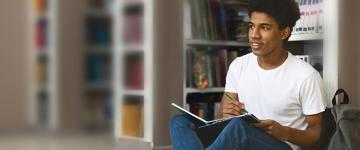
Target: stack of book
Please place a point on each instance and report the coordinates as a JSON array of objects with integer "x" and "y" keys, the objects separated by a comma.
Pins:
[
  {"x": 98, "y": 108},
  {"x": 40, "y": 6},
  {"x": 134, "y": 74},
  {"x": 133, "y": 25},
  {"x": 206, "y": 106},
  {"x": 43, "y": 107},
  {"x": 41, "y": 73},
  {"x": 98, "y": 32},
  {"x": 98, "y": 69},
  {"x": 133, "y": 117},
  {"x": 311, "y": 20},
  {"x": 208, "y": 67},
  {"x": 213, "y": 20},
  {"x": 41, "y": 35}
]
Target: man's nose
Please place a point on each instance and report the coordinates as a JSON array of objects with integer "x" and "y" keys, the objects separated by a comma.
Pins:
[{"x": 254, "y": 33}]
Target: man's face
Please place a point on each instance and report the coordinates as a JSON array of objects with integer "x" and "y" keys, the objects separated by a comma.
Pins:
[{"x": 265, "y": 37}]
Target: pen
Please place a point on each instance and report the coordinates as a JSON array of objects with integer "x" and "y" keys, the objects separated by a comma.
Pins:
[{"x": 229, "y": 98}]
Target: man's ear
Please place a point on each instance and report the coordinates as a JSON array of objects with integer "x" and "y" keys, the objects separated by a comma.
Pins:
[{"x": 285, "y": 33}]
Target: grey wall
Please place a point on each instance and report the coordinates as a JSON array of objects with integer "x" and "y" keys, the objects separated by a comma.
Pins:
[
  {"x": 13, "y": 62},
  {"x": 349, "y": 51}
]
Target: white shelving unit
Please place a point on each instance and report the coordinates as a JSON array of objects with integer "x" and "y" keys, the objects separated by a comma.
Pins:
[
  {"x": 306, "y": 37},
  {"x": 98, "y": 53},
  {"x": 134, "y": 92},
  {"x": 207, "y": 90},
  {"x": 122, "y": 49},
  {"x": 43, "y": 103},
  {"x": 160, "y": 44}
]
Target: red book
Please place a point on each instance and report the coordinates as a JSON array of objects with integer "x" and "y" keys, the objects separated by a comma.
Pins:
[
  {"x": 40, "y": 36},
  {"x": 136, "y": 74}
]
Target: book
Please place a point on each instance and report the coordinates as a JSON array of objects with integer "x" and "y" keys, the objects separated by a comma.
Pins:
[
  {"x": 311, "y": 17},
  {"x": 132, "y": 120},
  {"x": 134, "y": 76},
  {"x": 40, "y": 6},
  {"x": 200, "y": 76},
  {"x": 248, "y": 117},
  {"x": 41, "y": 35},
  {"x": 98, "y": 31},
  {"x": 133, "y": 116}
]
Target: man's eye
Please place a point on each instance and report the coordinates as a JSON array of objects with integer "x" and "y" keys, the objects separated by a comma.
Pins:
[
  {"x": 251, "y": 26},
  {"x": 265, "y": 28}
]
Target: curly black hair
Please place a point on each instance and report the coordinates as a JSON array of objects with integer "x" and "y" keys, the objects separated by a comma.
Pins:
[{"x": 285, "y": 12}]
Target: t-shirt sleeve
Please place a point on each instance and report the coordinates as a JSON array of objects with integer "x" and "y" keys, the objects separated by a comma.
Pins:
[
  {"x": 231, "y": 81},
  {"x": 312, "y": 94}
]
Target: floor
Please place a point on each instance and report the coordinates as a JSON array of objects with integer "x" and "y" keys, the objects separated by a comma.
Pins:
[{"x": 65, "y": 141}]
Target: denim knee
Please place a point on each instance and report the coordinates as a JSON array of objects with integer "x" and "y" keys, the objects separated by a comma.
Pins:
[
  {"x": 237, "y": 122},
  {"x": 179, "y": 121},
  {"x": 240, "y": 127}
]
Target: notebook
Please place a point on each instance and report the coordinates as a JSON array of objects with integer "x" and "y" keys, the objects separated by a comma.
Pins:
[{"x": 248, "y": 117}]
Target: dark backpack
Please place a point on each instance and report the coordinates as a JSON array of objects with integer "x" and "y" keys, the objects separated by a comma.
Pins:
[{"x": 340, "y": 126}]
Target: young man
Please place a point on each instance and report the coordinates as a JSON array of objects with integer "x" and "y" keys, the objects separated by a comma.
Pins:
[{"x": 285, "y": 93}]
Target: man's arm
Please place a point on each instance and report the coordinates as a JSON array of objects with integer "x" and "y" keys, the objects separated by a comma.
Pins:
[
  {"x": 229, "y": 108},
  {"x": 310, "y": 136},
  {"x": 307, "y": 138}
]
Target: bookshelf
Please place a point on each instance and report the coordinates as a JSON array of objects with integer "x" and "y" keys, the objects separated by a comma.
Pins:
[
  {"x": 43, "y": 75},
  {"x": 98, "y": 52},
  {"x": 315, "y": 45},
  {"x": 212, "y": 46},
  {"x": 132, "y": 55},
  {"x": 56, "y": 38},
  {"x": 147, "y": 36}
]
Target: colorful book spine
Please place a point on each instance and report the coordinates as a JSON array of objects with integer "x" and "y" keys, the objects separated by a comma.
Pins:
[
  {"x": 132, "y": 121},
  {"x": 311, "y": 17},
  {"x": 135, "y": 74},
  {"x": 39, "y": 6}
]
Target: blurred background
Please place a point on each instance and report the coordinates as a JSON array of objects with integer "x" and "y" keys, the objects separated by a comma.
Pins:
[{"x": 101, "y": 74}]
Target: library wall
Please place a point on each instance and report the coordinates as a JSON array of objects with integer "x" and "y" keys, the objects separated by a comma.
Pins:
[
  {"x": 70, "y": 50},
  {"x": 13, "y": 64},
  {"x": 169, "y": 64},
  {"x": 349, "y": 63}
]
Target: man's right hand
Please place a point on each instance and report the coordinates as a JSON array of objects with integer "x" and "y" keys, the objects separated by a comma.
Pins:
[{"x": 231, "y": 108}]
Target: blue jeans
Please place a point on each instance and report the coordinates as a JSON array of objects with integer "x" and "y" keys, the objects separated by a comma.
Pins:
[{"x": 237, "y": 135}]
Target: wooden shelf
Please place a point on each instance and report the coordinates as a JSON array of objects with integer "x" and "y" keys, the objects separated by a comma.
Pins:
[
  {"x": 130, "y": 3},
  {"x": 134, "y": 92},
  {"x": 134, "y": 47},
  {"x": 141, "y": 139},
  {"x": 42, "y": 54},
  {"x": 98, "y": 86},
  {"x": 216, "y": 43},
  {"x": 306, "y": 37},
  {"x": 207, "y": 90},
  {"x": 98, "y": 50},
  {"x": 42, "y": 16},
  {"x": 98, "y": 13}
]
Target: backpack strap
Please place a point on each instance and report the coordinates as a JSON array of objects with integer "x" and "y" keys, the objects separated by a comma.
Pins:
[{"x": 345, "y": 99}]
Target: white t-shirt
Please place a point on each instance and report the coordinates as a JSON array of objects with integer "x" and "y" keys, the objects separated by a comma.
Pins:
[{"x": 284, "y": 94}]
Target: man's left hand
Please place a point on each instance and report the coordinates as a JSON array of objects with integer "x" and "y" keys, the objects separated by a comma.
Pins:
[{"x": 273, "y": 128}]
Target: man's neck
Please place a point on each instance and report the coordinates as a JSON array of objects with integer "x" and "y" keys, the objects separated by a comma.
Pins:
[{"x": 272, "y": 61}]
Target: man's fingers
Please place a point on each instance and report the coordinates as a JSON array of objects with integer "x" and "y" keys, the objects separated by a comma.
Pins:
[
  {"x": 238, "y": 104},
  {"x": 263, "y": 124},
  {"x": 231, "y": 112},
  {"x": 238, "y": 111},
  {"x": 233, "y": 106}
]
